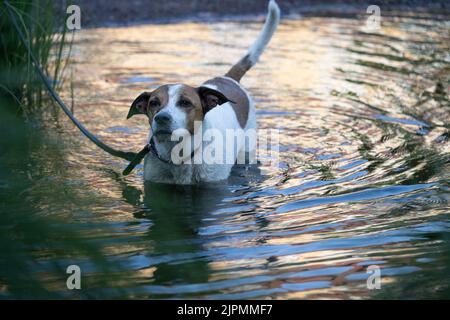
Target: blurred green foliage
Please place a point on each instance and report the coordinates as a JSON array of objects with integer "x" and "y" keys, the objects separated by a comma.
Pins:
[
  {"x": 29, "y": 238},
  {"x": 21, "y": 89}
]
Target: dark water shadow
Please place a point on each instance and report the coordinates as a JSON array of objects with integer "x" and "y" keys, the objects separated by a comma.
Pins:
[{"x": 177, "y": 213}]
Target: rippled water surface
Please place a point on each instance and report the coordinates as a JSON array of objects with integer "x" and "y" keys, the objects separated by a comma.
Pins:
[{"x": 363, "y": 176}]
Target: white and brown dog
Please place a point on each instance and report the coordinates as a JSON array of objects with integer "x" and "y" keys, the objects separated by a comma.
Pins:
[{"x": 221, "y": 104}]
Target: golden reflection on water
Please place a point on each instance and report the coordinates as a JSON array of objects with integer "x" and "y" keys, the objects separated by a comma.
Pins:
[{"x": 344, "y": 102}]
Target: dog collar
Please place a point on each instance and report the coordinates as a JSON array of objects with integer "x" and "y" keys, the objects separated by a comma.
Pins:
[
  {"x": 149, "y": 148},
  {"x": 155, "y": 152}
]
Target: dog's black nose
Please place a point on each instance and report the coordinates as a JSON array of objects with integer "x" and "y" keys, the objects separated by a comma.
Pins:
[{"x": 163, "y": 118}]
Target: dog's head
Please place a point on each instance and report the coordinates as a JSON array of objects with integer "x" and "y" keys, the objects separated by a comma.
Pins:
[
  {"x": 178, "y": 106},
  {"x": 170, "y": 108}
]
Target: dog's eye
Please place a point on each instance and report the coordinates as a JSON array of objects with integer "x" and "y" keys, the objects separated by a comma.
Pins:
[
  {"x": 184, "y": 103},
  {"x": 154, "y": 103}
]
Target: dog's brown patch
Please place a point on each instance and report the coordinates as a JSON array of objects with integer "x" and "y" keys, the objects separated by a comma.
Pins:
[
  {"x": 160, "y": 94},
  {"x": 233, "y": 92},
  {"x": 240, "y": 68},
  {"x": 193, "y": 112}
]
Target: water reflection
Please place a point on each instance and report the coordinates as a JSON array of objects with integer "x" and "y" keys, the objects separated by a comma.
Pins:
[{"x": 363, "y": 178}]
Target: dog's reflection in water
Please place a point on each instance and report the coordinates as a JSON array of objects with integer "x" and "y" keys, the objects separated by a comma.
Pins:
[{"x": 177, "y": 213}]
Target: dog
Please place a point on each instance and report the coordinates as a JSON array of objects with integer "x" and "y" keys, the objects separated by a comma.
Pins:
[{"x": 219, "y": 105}]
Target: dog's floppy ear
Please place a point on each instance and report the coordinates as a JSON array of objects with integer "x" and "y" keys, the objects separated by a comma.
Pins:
[
  {"x": 211, "y": 98},
  {"x": 139, "y": 105}
]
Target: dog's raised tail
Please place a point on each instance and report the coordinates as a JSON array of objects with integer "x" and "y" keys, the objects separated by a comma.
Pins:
[{"x": 255, "y": 51}]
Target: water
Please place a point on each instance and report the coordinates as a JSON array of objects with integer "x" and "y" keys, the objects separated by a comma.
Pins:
[{"x": 363, "y": 177}]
